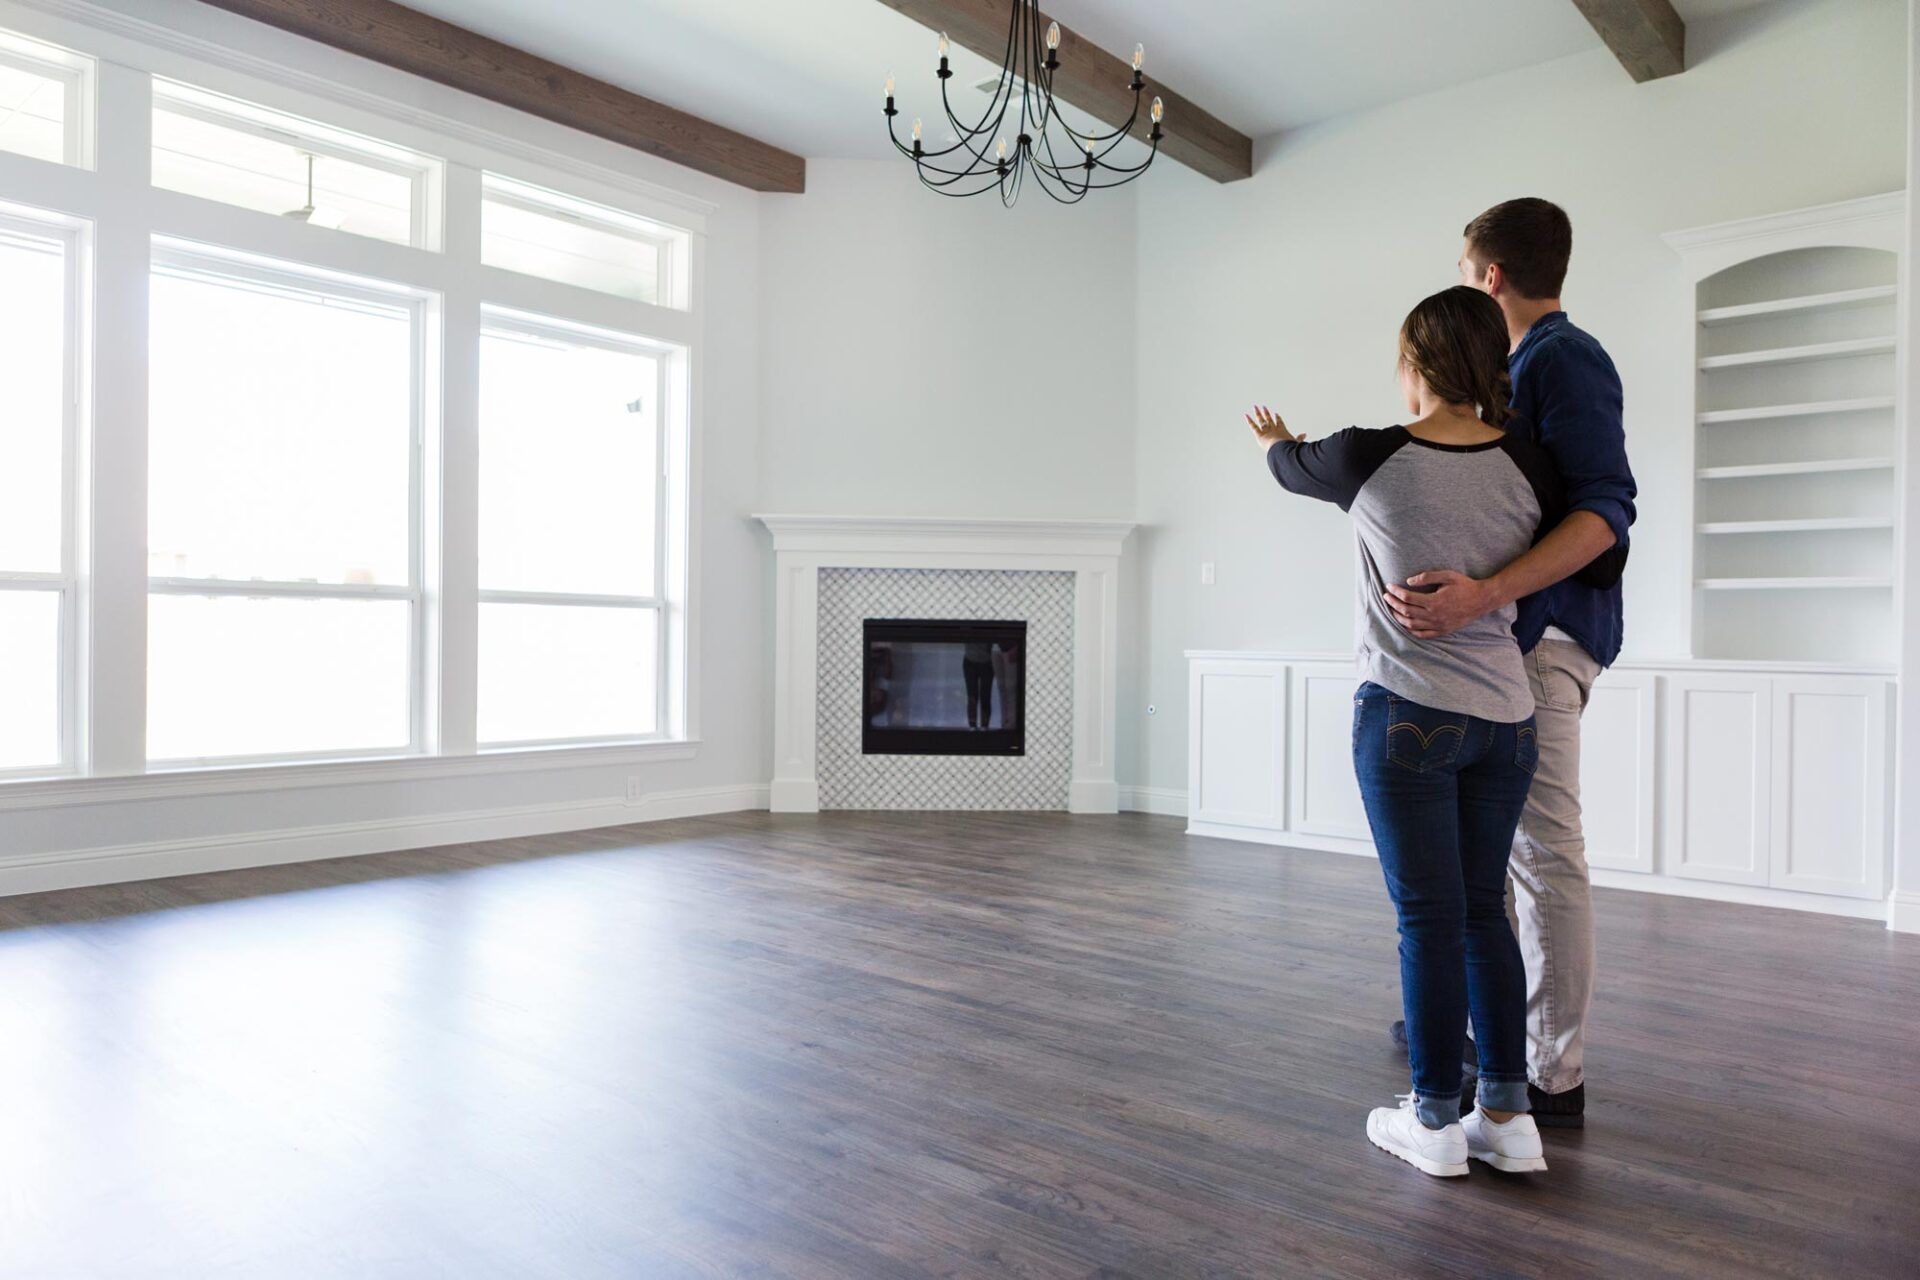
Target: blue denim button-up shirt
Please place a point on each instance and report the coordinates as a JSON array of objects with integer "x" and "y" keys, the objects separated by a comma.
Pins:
[{"x": 1567, "y": 395}]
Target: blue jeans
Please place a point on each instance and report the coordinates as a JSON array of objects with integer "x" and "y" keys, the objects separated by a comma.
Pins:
[{"x": 1444, "y": 793}]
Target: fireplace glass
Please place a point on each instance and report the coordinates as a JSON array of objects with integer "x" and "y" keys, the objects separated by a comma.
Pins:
[{"x": 944, "y": 687}]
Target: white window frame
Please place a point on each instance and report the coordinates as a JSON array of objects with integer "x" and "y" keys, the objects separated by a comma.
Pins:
[
  {"x": 670, "y": 245},
  {"x": 74, "y": 72},
  {"x": 121, "y": 215},
  {"x": 71, "y": 235},
  {"x": 666, "y": 361},
  {"x": 201, "y": 262},
  {"x": 423, "y": 173}
]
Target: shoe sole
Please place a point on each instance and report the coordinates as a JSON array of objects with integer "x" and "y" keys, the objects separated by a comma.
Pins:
[
  {"x": 1510, "y": 1164},
  {"x": 1437, "y": 1168}
]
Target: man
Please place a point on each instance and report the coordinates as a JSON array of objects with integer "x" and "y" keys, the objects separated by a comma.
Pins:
[{"x": 1567, "y": 396}]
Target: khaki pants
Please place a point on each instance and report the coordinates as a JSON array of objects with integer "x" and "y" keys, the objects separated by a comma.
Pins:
[{"x": 1551, "y": 898}]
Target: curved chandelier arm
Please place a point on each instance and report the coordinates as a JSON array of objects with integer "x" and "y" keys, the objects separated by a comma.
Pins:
[{"x": 1026, "y": 72}]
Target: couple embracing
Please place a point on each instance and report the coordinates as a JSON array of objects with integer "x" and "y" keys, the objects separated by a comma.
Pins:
[{"x": 1492, "y": 531}]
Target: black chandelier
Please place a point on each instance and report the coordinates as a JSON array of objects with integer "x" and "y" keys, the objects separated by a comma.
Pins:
[{"x": 1026, "y": 76}]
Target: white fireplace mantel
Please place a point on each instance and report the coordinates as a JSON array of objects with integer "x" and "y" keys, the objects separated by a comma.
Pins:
[{"x": 805, "y": 544}]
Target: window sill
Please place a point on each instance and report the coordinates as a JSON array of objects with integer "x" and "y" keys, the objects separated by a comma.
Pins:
[{"x": 224, "y": 780}]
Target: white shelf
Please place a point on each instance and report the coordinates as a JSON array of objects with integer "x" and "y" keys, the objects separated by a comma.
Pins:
[
  {"x": 1795, "y": 355},
  {"x": 1795, "y": 584},
  {"x": 1790, "y": 306},
  {"x": 1811, "y": 409},
  {"x": 1827, "y": 525},
  {"x": 1795, "y": 468}
]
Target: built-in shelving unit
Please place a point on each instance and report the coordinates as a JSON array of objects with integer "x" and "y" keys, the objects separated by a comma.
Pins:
[
  {"x": 1810, "y": 302},
  {"x": 1796, "y": 354},
  {"x": 1749, "y": 470},
  {"x": 1794, "y": 584},
  {"x": 1795, "y": 335},
  {"x": 1823, "y": 524},
  {"x": 1814, "y": 409}
]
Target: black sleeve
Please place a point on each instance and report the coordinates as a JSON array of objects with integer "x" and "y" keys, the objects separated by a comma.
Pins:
[
  {"x": 1537, "y": 466},
  {"x": 1333, "y": 469}
]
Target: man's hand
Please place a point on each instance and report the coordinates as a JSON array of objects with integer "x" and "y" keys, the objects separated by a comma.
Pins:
[
  {"x": 1268, "y": 429},
  {"x": 1445, "y": 602}
]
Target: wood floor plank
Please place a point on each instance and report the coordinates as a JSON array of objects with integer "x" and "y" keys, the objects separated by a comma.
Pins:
[{"x": 900, "y": 1045}]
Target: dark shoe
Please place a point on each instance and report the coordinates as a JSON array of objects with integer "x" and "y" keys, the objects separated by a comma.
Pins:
[
  {"x": 1398, "y": 1033},
  {"x": 1559, "y": 1110}
]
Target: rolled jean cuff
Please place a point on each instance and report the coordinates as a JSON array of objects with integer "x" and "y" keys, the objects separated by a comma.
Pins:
[
  {"x": 1496, "y": 1094},
  {"x": 1437, "y": 1112}
]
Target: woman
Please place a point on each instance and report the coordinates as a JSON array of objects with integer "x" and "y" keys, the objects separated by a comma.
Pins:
[{"x": 1443, "y": 738}]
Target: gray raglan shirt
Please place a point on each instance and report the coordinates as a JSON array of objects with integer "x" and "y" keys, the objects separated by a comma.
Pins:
[{"x": 1418, "y": 505}]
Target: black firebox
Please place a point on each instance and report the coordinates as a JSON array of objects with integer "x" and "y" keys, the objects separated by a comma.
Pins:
[{"x": 944, "y": 687}]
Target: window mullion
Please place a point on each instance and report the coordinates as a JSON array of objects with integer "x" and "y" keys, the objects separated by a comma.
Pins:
[
  {"x": 114, "y": 519},
  {"x": 453, "y": 489}
]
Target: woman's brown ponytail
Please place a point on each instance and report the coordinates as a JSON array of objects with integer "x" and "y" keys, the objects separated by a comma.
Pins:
[{"x": 1456, "y": 341}]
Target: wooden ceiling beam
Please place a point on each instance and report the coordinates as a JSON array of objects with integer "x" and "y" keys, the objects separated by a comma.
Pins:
[
  {"x": 1648, "y": 37},
  {"x": 1096, "y": 82},
  {"x": 425, "y": 46}
]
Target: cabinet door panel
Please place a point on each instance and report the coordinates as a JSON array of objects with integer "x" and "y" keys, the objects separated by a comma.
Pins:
[
  {"x": 1326, "y": 798},
  {"x": 1829, "y": 785},
  {"x": 1617, "y": 745},
  {"x": 1719, "y": 744},
  {"x": 1237, "y": 743}
]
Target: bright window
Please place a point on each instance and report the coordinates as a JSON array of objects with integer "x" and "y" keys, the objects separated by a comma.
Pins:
[
  {"x": 282, "y": 512},
  {"x": 541, "y": 233},
  {"x": 36, "y": 571},
  {"x": 570, "y": 537},
  {"x": 43, "y": 99},
  {"x": 212, "y": 146}
]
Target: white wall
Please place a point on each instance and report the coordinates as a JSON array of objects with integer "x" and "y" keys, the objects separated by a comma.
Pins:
[
  {"x": 1288, "y": 289},
  {"x": 936, "y": 356},
  {"x": 147, "y": 830}
]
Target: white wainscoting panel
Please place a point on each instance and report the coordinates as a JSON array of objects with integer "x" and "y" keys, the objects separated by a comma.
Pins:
[
  {"x": 1719, "y": 771},
  {"x": 1830, "y": 758},
  {"x": 1237, "y": 730},
  {"x": 1326, "y": 796},
  {"x": 1619, "y": 737}
]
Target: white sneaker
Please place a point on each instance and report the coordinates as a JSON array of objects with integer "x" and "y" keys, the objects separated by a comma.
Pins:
[
  {"x": 1513, "y": 1146},
  {"x": 1398, "y": 1131}
]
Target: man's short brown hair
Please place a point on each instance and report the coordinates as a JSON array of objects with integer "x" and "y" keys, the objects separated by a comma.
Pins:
[{"x": 1530, "y": 241}]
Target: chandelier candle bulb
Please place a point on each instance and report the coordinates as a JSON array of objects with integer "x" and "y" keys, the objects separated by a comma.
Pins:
[{"x": 1139, "y": 56}]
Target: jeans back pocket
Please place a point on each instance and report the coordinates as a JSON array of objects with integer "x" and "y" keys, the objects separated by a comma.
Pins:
[
  {"x": 1421, "y": 738},
  {"x": 1526, "y": 746}
]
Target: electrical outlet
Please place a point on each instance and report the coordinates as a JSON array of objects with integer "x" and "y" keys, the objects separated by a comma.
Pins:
[
  {"x": 1206, "y": 573},
  {"x": 633, "y": 791}
]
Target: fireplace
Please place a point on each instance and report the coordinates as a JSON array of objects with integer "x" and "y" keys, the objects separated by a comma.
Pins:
[{"x": 944, "y": 687}]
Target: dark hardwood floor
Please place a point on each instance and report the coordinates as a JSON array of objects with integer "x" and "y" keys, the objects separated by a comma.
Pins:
[{"x": 900, "y": 1045}]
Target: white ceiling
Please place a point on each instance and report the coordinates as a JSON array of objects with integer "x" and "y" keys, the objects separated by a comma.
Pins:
[{"x": 806, "y": 75}]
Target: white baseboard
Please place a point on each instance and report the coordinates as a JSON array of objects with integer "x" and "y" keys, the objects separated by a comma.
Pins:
[
  {"x": 1900, "y": 915},
  {"x": 1092, "y": 796},
  {"x": 1903, "y": 911},
  {"x": 1167, "y": 801},
  {"x": 1739, "y": 894},
  {"x": 794, "y": 795},
  {"x": 70, "y": 869}
]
